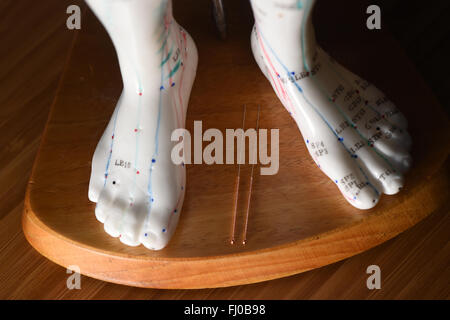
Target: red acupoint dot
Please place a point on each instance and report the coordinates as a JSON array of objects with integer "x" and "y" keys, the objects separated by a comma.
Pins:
[
  {"x": 112, "y": 137},
  {"x": 137, "y": 172},
  {"x": 135, "y": 130},
  {"x": 140, "y": 93}
]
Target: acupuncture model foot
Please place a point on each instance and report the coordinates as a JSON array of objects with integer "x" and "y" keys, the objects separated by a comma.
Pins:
[
  {"x": 139, "y": 191},
  {"x": 355, "y": 135}
]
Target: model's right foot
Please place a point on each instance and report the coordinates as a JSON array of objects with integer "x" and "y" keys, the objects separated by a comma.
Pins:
[
  {"x": 138, "y": 189},
  {"x": 354, "y": 133}
]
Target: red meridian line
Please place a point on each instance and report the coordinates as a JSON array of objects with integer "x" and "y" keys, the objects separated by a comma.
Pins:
[
  {"x": 289, "y": 99},
  {"x": 270, "y": 62},
  {"x": 276, "y": 73}
]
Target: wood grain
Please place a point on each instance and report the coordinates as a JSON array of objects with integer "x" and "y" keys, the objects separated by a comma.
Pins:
[{"x": 28, "y": 275}]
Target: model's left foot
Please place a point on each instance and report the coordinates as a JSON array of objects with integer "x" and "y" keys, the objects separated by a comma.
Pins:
[{"x": 353, "y": 132}]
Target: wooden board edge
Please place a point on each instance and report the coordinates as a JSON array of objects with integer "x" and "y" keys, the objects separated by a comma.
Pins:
[{"x": 239, "y": 268}]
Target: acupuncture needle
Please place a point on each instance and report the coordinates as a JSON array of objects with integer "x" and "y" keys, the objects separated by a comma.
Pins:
[
  {"x": 236, "y": 185},
  {"x": 250, "y": 188}
]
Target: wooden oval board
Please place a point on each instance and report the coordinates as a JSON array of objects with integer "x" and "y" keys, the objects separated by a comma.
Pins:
[{"x": 298, "y": 219}]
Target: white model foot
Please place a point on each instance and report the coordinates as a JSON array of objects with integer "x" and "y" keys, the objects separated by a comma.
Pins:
[
  {"x": 138, "y": 189},
  {"x": 353, "y": 132}
]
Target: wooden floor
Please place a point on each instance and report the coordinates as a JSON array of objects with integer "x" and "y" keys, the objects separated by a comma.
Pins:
[{"x": 414, "y": 265}]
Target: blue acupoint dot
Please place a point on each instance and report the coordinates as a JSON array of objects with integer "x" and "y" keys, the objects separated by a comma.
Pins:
[
  {"x": 161, "y": 88},
  {"x": 336, "y": 181},
  {"x": 307, "y": 141},
  {"x": 163, "y": 230},
  {"x": 182, "y": 188},
  {"x": 153, "y": 160},
  {"x": 341, "y": 139},
  {"x": 354, "y": 198},
  {"x": 173, "y": 83},
  {"x": 182, "y": 164},
  {"x": 354, "y": 156},
  {"x": 153, "y": 199},
  {"x": 145, "y": 234},
  {"x": 292, "y": 72},
  {"x": 175, "y": 211}
]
